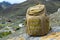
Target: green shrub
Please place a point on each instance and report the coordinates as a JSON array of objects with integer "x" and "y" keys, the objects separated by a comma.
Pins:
[{"x": 4, "y": 34}]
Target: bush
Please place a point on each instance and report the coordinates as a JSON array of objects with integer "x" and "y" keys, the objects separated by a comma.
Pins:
[{"x": 4, "y": 34}]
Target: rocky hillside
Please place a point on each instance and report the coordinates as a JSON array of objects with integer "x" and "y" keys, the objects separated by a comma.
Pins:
[
  {"x": 4, "y": 4},
  {"x": 20, "y": 9},
  {"x": 11, "y": 17},
  {"x": 55, "y": 18},
  {"x": 53, "y": 34}
]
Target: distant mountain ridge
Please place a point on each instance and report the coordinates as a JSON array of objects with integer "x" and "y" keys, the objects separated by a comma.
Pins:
[
  {"x": 5, "y": 4},
  {"x": 20, "y": 9}
]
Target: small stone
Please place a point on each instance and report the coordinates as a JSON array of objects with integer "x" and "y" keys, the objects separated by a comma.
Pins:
[
  {"x": 21, "y": 25},
  {"x": 11, "y": 39},
  {"x": 21, "y": 38}
]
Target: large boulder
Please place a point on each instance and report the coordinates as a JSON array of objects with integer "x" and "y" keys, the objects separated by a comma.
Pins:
[{"x": 37, "y": 20}]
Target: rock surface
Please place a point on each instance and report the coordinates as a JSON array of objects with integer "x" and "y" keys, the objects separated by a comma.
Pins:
[
  {"x": 55, "y": 18},
  {"x": 21, "y": 35},
  {"x": 37, "y": 21},
  {"x": 52, "y": 36}
]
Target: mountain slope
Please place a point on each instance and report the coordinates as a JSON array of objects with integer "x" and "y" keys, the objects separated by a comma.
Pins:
[
  {"x": 17, "y": 9},
  {"x": 20, "y": 9},
  {"x": 5, "y": 4}
]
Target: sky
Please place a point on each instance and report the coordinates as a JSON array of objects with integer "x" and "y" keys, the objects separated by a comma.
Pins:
[{"x": 13, "y": 1}]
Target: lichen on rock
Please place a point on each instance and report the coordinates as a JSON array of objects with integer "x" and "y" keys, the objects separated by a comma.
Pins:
[{"x": 37, "y": 20}]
